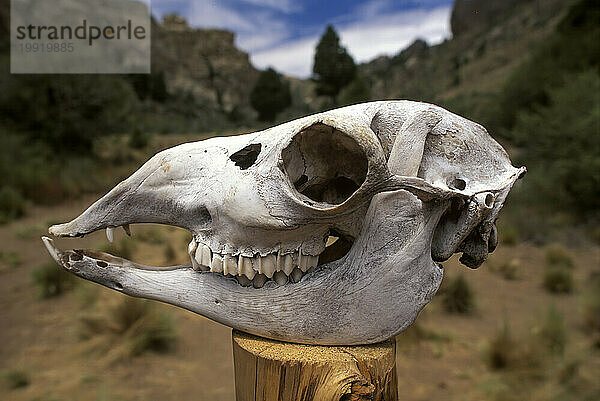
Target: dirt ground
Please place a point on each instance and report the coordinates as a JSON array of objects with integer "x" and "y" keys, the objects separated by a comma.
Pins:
[{"x": 40, "y": 336}]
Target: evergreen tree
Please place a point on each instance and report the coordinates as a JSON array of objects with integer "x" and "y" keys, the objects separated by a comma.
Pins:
[
  {"x": 333, "y": 68},
  {"x": 270, "y": 95}
]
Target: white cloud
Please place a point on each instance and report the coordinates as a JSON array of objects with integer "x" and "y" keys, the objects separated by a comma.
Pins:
[
  {"x": 388, "y": 34},
  {"x": 255, "y": 30},
  {"x": 376, "y": 33},
  {"x": 285, "y": 6},
  {"x": 210, "y": 14},
  {"x": 266, "y": 33},
  {"x": 294, "y": 58}
]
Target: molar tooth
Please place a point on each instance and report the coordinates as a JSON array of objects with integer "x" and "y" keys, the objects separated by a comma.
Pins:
[
  {"x": 216, "y": 264},
  {"x": 296, "y": 275},
  {"x": 245, "y": 267},
  {"x": 110, "y": 234},
  {"x": 244, "y": 281},
  {"x": 230, "y": 265},
  {"x": 259, "y": 280},
  {"x": 266, "y": 264},
  {"x": 308, "y": 262},
  {"x": 192, "y": 252},
  {"x": 127, "y": 229},
  {"x": 280, "y": 278}
]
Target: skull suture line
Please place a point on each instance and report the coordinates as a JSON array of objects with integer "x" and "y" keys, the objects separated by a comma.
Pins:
[{"x": 403, "y": 185}]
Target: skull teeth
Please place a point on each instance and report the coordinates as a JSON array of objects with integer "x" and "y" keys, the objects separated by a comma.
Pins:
[{"x": 253, "y": 271}]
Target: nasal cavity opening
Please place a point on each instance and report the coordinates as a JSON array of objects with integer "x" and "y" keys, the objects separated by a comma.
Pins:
[
  {"x": 246, "y": 157},
  {"x": 324, "y": 164}
]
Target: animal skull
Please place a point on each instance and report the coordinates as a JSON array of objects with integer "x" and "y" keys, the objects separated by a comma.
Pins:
[{"x": 403, "y": 185}]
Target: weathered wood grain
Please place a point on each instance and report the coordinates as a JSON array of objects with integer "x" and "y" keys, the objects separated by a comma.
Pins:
[{"x": 268, "y": 370}]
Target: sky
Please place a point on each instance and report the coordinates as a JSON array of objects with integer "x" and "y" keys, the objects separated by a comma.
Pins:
[{"x": 284, "y": 33}]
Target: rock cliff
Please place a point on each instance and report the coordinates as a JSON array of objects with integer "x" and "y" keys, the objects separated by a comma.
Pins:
[{"x": 203, "y": 62}]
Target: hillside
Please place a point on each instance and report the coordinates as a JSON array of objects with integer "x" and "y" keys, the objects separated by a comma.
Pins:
[{"x": 464, "y": 73}]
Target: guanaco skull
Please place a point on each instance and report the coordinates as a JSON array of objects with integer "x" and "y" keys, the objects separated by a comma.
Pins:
[{"x": 401, "y": 185}]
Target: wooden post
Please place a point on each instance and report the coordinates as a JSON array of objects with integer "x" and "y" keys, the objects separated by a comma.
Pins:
[{"x": 268, "y": 370}]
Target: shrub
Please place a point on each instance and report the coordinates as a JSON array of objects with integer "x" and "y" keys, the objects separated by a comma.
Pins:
[
  {"x": 51, "y": 280},
  {"x": 138, "y": 138},
  {"x": 9, "y": 260},
  {"x": 170, "y": 254},
  {"x": 507, "y": 268},
  {"x": 557, "y": 255},
  {"x": 509, "y": 235},
  {"x": 131, "y": 327},
  {"x": 12, "y": 205},
  {"x": 30, "y": 231},
  {"x": 558, "y": 280},
  {"x": 564, "y": 159},
  {"x": 14, "y": 378},
  {"x": 67, "y": 112},
  {"x": 501, "y": 350},
  {"x": 458, "y": 296},
  {"x": 357, "y": 91},
  {"x": 591, "y": 308},
  {"x": 270, "y": 95},
  {"x": 151, "y": 236},
  {"x": 123, "y": 248},
  {"x": 553, "y": 334}
]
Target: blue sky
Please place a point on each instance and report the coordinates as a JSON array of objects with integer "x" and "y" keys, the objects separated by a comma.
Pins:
[{"x": 283, "y": 33}]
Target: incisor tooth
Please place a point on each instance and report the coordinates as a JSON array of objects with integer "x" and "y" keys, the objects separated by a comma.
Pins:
[
  {"x": 110, "y": 233},
  {"x": 230, "y": 265},
  {"x": 265, "y": 264},
  {"x": 192, "y": 252},
  {"x": 216, "y": 264},
  {"x": 245, "y": 267}
]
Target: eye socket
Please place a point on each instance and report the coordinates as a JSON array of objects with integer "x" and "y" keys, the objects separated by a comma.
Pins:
[{"x": 325, "y": 164}]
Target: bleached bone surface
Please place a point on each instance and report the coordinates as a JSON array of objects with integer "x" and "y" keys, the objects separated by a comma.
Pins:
[{"x": 322, "y": 230}]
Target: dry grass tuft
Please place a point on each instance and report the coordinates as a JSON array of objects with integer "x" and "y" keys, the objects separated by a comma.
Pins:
[
  {"x": 458, "y": 296},
  {"x": 15, "y": 378},
  {"x": 558, "y": 280},
  {"x": 51, "y": 280},
  {"x": 128, "y": 327},
  {"x": 557, "y": 255},
  {"x": 591, "y": 308},
  {"x": 123, "y": 248}
]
